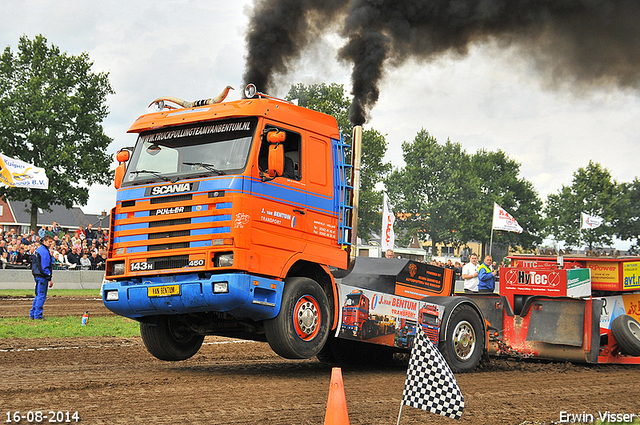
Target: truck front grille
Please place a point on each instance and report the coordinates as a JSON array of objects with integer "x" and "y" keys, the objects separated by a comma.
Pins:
[
  {"x": 174, "y": 198},
  {"x": 183, "y": 222},
  {"x": 169, "y": 246},
  {"x": 177, "y": 262}
]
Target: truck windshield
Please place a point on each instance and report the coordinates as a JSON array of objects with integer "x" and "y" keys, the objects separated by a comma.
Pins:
[
  {"x": 178, "y": 153},
  {"x": 352, "y": 300}
]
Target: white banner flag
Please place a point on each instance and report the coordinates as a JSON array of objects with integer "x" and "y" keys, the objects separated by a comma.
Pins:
[
  {"x": 388, "y": 218},
  {"x": 16, "y": 173},
  {"x": 502, "y": 220},
  {"x": 590, "y": 221}
]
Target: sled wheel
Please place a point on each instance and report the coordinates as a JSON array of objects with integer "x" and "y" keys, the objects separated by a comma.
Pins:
[
  {"x": 168, "y": 340},
  {"x": 301, "y": 327},
  {"x": 626, "y": 331},
  {"x": 464, "y": 340}
]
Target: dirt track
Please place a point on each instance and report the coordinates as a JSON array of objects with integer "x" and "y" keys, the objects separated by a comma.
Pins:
[{"x": 115, "y": 381}]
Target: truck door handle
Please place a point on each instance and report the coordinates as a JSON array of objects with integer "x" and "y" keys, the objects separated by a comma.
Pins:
[{"x": 299, "y": 212}]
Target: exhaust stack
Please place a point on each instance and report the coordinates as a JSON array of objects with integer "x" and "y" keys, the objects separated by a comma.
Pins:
[{"x": 355, "y": 180}]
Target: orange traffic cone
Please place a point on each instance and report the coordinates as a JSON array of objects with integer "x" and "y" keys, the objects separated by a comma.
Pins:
[{"x": 337, "y": 403}]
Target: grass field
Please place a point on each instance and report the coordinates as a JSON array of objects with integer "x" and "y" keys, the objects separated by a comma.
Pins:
[
  {"x": 51, "y": 292},
  {"x": 67, "y": 327},
  {"x": 64, "y": 326}
]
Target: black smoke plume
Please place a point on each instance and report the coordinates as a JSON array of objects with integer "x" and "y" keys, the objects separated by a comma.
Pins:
[
  {"x": 582, "y": 43},
  {"x": 279, "y": 31}
]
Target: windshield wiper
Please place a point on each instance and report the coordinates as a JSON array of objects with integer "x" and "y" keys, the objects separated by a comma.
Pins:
[
  {"x": 209, "y": 167},
  {"x": 154, "y": 173}
]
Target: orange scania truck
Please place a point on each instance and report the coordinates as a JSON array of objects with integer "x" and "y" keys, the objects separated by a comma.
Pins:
[{"x": 233, "y": 218}]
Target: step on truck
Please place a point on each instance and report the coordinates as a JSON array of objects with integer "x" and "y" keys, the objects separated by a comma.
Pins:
[{"x": 233, "y": 218}]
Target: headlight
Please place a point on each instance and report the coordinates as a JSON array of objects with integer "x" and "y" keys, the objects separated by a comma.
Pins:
[
  {"x": 220, "y": 287},
  {"x": 118, "y": 268},
  {"x": 224, "y": 259},
  {"x": 111, "y": 295}
]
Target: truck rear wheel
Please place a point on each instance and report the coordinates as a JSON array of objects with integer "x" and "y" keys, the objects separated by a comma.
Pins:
[
  {"x": 464, "y": 340},
  {"x": 169, "y": 340},
  {"x": 626, "y": 331},
  {"x": 301, "y": 328}
]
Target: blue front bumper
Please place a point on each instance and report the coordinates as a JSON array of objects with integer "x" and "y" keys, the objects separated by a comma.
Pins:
[{"x": 248, "y": 296}]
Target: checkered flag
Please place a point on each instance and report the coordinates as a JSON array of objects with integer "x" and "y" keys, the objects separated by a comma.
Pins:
[{"x": 430, "y": 384}]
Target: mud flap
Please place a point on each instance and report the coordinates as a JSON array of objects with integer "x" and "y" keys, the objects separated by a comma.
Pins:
[
  {"x": 492, "y": 307},
  {"x": 556, "y": 321}
]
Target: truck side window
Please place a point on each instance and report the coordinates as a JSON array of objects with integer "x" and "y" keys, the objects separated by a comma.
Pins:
[{"x": 292, "y": 147}]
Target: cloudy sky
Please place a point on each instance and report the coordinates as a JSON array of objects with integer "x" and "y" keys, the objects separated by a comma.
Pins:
[{"x": 492, "y": 98}]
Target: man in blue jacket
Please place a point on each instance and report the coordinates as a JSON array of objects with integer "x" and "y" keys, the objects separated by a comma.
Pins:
[
  {"x": 41, "y": 268},
  {"x": 486, "y": 277}
]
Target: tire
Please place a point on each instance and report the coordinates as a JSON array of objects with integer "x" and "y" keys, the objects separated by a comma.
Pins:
[
  {"x": 367, "y": 330},
  {"x": 464, "y": 340},
  {"x": 626, "y": 331},
  {"x": 301, "y": 328},
  {"x": 325, "y": 355},
  {"x": 410, "y": 342},
  {"x": 169, "y": 340}
]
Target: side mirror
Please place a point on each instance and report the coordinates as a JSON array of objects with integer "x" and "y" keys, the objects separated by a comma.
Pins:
[
  {"x": 122, "y": 157},
  {"x": 276, "y": 160},
  {"x": 276, "y": 136},
  {"x": 275, "y": 165}
]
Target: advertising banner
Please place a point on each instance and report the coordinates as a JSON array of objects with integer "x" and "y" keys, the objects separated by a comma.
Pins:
[
  {"x": 631, "y": 275},
  {"x": 579, "y": 283},
  {"x": 618, "y": 305},
  {"x": 528, "y": 282},
  {"x": 388, "y": 218},
  {"x": 16, "y": 173},
  {"x": 552, "y": 282},
  {"x": 502, "y": 220},
  {"x": 385, "y": 319},
  {"x": 590, "y": 221},
  {"x": 604, "y": 274}
]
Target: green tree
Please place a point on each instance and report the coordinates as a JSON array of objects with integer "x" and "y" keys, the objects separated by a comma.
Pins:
[
  {"x": 594, "y": 192},
  {"x": 372, "y": 171},
  {"x": 500, "y": 182},
  {"x": 51, "y": 109},
  {"x": 628, "y": 214},
  {"x": 435, "y": 191},
  {"x": 332, "y": 100}
]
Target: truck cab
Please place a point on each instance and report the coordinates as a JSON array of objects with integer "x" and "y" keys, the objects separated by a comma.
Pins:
[{"x": 217, "y": 206}]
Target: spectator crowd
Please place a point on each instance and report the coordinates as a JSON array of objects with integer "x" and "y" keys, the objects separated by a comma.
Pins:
[{"x": 83, "y": 249}]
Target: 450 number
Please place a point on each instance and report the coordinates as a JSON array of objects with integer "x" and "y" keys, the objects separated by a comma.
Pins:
[{"x": 196, "y": 263}]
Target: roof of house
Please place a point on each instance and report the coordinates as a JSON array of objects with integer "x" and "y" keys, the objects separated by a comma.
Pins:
[{"x": 65, "y": 217}]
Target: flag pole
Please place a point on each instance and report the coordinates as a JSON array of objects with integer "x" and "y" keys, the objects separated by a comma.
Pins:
[
  {"x": 491, "y": 243},
  {"x": 400, "y": 413},
  {"x": 580, "y": 232}
]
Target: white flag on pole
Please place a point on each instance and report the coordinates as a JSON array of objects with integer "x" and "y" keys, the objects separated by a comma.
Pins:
[
  {"x": 590, "y": 221},
  {"x": 502, "y": 220},
  {"x": 16, "y": 173},
  {"x": 388, "y": 218}
]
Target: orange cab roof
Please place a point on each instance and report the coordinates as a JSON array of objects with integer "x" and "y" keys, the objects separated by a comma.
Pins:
[{"x": 274, "y": 109}]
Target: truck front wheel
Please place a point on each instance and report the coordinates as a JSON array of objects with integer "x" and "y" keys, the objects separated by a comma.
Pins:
[
  {"x": 169, "y": 340},
  {"x": 464, "y": 340},
  {"x": 301, "y": 328}
]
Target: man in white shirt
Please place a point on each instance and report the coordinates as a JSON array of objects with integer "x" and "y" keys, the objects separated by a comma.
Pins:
[{"x": 470, "y": 274}]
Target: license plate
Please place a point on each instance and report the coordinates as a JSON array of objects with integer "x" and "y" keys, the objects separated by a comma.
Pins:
[{"x": 163, "y": 291}]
